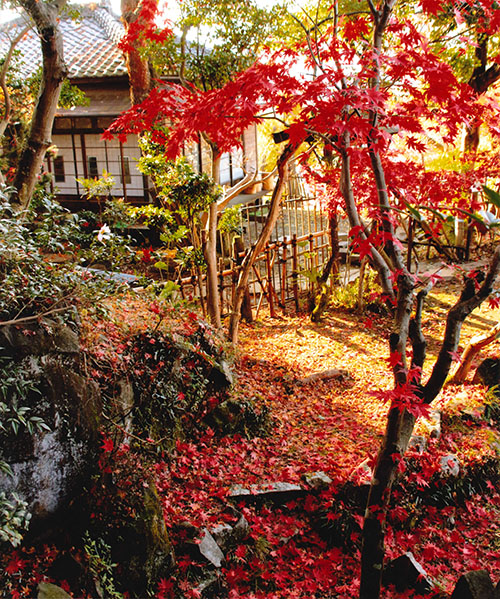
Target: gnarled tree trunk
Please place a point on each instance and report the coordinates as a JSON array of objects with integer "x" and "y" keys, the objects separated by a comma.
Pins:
[
  {"x": 474, "y": 346},
  {"x": 400, "y": 423},
  {"x": 45, "y": 16},
  {"x": 482, "y": 78}
]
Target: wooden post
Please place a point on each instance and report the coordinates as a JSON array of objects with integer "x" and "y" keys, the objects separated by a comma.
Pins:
[
  {"x": 295, "y": 273},
  {"x": 468, "y": 240},
  {"x": 311, "y": 258},
  {"x": 270, "y": 298},
  {"x": 235, "y": 270},
  {"x": 181, "y": 288},
  {"x": 198, "y": 279},
  {"x": 75, "y": 161},
  {"x": 246, "y": 305},
  {"x": 122, "y": 168},
  {"x": 283, "y": 274},
  {"x": 334, "y": 241},
  {"x": 221, "y": 284}
]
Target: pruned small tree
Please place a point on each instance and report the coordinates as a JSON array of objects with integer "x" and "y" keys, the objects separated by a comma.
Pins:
[{"x": 227, "y": 37}]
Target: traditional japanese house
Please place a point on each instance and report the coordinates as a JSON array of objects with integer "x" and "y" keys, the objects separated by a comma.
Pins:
[{"x": 97, "y": 66}]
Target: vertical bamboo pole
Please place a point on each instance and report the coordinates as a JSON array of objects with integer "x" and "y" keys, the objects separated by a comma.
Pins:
[
  {"x": 199, "y": 279},
  {"x": 234, "y": 269},
  {"x": 295, "y": 273},
  {"x": 270, "y": 298},
  {"x": 221, "y": 284},
  {"x": 283, "y": 274},
  {"x": 311, "y": 260}
]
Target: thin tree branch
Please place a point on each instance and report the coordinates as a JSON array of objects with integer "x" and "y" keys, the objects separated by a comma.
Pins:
[
  {"x": 4, "y": 323},
  {"x": 468, "y": 301}
]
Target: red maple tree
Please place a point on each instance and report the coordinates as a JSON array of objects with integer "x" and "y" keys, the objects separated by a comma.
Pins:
[{"x": 367, "y": 96}]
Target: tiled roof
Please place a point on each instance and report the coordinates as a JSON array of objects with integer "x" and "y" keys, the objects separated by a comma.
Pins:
[{"x": 90, "y": 44}]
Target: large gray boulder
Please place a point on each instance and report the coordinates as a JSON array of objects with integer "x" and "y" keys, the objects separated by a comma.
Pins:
[
  {"x": 49, "y": 464},
  {"x": 488, "y": 373},
  {"x": 476, "y": 584}
]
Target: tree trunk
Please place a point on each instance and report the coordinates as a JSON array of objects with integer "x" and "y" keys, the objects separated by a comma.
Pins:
[
  {"x": 246, "y": 304},
  {"x": 400, "y": 424},
  {"x": 210, "y": 247},
  {"x": 139, "y": 71},
  {"x": 397, "y": 435},
  {"x": 347, "y": 192},
  {"x": 45, "y": 15},
  {"x": 249, "y": 261},
  {"x": 482, "y": 78},
  {"x": 331, "y": 268}
]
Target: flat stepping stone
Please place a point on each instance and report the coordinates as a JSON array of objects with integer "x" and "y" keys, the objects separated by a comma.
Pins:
[
  {"x": 117, "y": 277},
  {"x": 331, "y": 373},
  {"x": 406, "y": 573},
  {"x": 210, "y": 550},
  {"x": 318, "y": 481},
  {"x": 277, "y": 491}
]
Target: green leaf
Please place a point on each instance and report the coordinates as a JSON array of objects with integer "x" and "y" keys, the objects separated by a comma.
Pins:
[
  {"x": 492, "y": 195},
  {"x": 169, "y": 289},
  {"x": 415, "y": 213},
  {"x": 5, "y": 468},
  {"x": 160, "y": 265}
]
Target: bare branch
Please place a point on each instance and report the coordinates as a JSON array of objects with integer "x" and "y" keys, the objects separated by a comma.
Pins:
[
  {"x": 373, "y": 10},
  {"x": 3, "y": 77},
  {"x": 308, "y": 38},
  {"x": 4, "y": 323},
  {"x": 468, "y": 301}
]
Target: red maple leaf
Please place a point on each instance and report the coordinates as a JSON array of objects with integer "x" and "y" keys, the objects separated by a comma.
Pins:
[
  {"x": 15, "y": 565},
  {"x": 414, "y": 144},
  {"x": 165, "y": 589},
  {"x": 368, "y": 323},
  {"x": 107, "y": 444},
  {"x": 494, "y": 302},
  {"x": 394, "y": 359}
]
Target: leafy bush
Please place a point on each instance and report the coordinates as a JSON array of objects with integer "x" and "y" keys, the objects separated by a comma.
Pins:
[
  {"x": 150, "y": 215},
  {"x": 99, "y": 187},
  {"x": 14, "y": 518},
  {"x": 116, "y": 213},
  {"x": 177, "y": 381},
  {"x": 29, "y": 283},
  {"x": 230, "y": 221},
  {"x": 16, "y": 384},
  {"x": 98, "y": 554}
]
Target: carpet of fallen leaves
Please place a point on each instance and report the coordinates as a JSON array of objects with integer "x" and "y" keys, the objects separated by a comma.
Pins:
[{"x": 333, "y": 426}]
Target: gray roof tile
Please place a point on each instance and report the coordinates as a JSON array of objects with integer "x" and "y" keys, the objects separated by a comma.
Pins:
[{"x": 90, "y": 44}]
